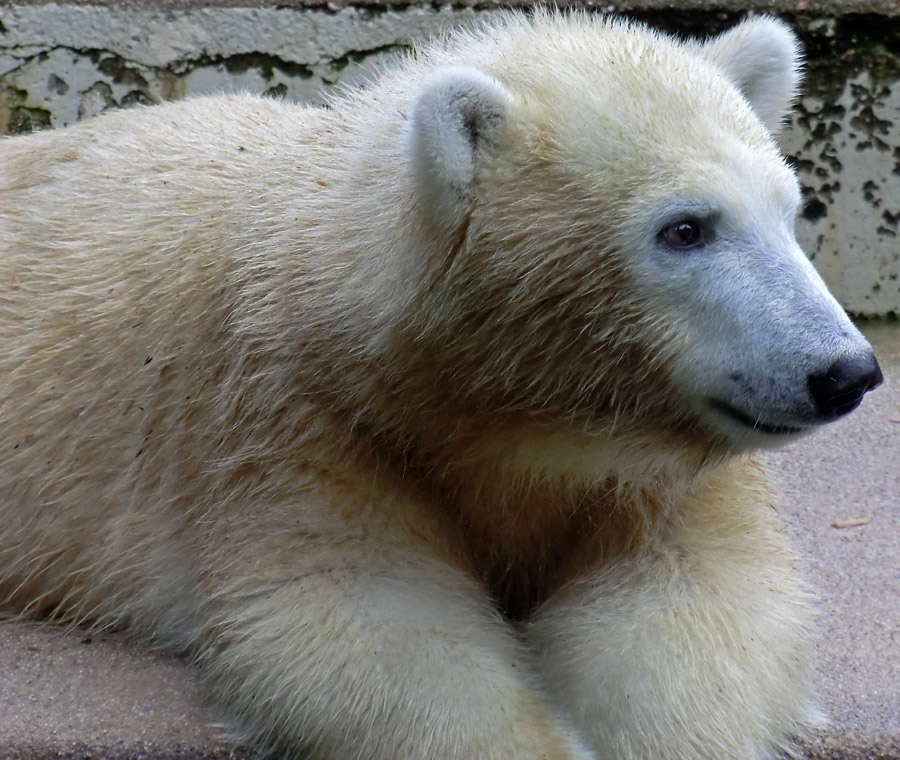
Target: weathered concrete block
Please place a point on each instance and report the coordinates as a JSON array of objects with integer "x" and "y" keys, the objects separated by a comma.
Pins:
[
  {"x": 63, "y": 63},
  {"x": 60, "y": 63},
  {"x": 847, "y": 149}
]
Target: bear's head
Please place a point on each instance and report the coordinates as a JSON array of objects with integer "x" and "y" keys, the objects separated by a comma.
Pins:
[{"x": 616, "y": 235}]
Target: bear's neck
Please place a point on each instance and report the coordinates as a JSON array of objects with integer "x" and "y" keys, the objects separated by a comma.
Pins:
[{"x": 536, "y": 508}]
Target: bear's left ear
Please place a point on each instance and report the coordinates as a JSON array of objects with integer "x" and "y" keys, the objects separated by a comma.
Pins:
[
  {"x": 457, "y": 118},
  {"x": 762, "y": 57}
]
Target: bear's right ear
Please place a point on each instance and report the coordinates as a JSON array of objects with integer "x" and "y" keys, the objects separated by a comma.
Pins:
[{"x": 457, "y": 118}]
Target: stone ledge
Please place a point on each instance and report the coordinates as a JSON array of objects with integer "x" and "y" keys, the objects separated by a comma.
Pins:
[{"x": 800, "y": 7}]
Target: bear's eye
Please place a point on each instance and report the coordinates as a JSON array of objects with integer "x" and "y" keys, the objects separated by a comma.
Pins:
[{"x": 685, "y": 233}]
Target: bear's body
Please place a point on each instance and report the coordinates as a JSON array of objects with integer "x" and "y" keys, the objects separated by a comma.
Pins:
[{"x": 414, "y": 420}]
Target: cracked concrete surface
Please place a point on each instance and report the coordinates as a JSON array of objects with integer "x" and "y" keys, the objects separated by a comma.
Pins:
[{"x": 53, "y": 58}]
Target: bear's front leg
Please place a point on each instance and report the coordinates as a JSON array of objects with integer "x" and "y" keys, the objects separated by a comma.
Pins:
[
  {"x": 345, "y": 627},
  {"x": 694, "y": 647}
]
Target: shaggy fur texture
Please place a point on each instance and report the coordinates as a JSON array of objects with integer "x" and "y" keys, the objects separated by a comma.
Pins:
[{"x": 395, "y": 415}]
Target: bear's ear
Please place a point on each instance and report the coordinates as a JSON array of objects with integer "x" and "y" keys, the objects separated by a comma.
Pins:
[
  {"x": 457, "y": 118},
  {"x": 762, "y": 57}
]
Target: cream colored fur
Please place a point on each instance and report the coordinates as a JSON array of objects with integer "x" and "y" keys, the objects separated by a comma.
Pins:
[{"x": 315, "y": 396}]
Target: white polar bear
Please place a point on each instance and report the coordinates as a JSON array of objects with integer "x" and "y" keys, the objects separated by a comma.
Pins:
[{"x": 420, "y": 421}]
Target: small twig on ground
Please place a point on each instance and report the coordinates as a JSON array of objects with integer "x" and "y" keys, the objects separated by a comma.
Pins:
[{"x": 850, "y": 523}]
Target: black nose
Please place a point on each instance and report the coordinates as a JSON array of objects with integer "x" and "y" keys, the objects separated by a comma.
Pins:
[{"x": 839, "y": 389}]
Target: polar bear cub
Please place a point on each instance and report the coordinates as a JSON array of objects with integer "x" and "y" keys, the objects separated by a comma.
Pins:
[{"x": 421, "y": 422}]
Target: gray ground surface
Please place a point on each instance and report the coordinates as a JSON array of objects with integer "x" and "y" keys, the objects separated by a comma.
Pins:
[
  {"x": 65, "y": 695},
  {"x": 851, "y": 471}
]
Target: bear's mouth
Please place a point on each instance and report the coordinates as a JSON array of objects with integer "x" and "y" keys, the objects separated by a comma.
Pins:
[{"x": 754, "y": 423}]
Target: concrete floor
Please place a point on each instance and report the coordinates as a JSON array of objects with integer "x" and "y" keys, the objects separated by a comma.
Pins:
[
  {"x": 850, "y": 471},
  {"x": 63, "y": 694}
]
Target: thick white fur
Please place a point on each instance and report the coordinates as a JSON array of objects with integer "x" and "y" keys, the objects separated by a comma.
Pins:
[{"x": 312, "y": 395}]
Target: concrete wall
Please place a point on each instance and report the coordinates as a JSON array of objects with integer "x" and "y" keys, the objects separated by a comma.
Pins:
[{"x": 62, "y": 63}]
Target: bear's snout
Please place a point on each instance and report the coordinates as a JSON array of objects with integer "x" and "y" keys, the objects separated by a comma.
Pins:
[{"x": 840, "y": 389}]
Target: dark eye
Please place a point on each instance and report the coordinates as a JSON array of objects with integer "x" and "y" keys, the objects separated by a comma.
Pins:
[{"x": 686, "y": 233}]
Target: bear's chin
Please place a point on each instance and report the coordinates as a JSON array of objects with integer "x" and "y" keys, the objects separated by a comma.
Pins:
[{"x": 744, "y": 431}]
